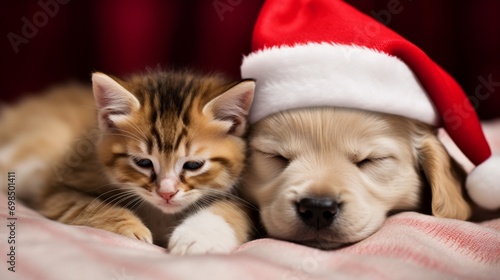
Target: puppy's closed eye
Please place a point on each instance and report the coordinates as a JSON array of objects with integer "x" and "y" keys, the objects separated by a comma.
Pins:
[
  {"x": 370, "y": 161},
  {"x": 279, "y": 158}
]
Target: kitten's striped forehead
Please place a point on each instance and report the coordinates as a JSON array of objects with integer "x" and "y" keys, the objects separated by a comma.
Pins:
[{"x": 168, "y": 105}]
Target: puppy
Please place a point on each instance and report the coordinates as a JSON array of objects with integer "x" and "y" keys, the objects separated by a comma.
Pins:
[{"x": 327, "y": 177}]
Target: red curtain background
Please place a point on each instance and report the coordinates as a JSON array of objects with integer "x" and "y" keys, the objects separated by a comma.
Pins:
[{"x": 51, "y": 41}]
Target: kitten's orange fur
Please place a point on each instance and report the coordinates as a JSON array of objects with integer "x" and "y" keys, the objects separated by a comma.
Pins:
[{"x": 151, "y": 133}]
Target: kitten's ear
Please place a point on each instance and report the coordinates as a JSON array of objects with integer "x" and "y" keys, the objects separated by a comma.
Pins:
[
  {"x": 113, "y": 101},
  {"x": 233, "y": 106}
]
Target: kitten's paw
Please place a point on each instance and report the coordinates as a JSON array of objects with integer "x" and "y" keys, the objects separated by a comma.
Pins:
[
  {"x": 128, "y": 225},
  {"x": 202, "y": 233},
  {"x": 137, "y": 231}
]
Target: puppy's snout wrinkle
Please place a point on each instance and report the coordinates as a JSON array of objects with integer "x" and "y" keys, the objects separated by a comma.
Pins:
[{"x": 317, "y": 212}]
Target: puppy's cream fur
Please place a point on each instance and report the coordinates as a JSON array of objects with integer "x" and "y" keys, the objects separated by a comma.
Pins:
[{"x": 371, "y": 164}]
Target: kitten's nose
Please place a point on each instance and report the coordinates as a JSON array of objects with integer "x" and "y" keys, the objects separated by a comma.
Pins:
[
  {"x": 167, "y": 195},
  {"x": 317, "y": 212}
]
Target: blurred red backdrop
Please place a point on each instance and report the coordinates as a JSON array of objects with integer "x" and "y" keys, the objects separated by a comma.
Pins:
[{"x": 50, "y": 41}]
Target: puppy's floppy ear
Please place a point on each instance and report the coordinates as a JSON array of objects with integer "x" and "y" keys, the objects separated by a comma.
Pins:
[{"x": 445, "y": 177}]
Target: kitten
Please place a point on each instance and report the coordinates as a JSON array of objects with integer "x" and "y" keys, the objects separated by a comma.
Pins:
[{"x": 165, "y": 140}]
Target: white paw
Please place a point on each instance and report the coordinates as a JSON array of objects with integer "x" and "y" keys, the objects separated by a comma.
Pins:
[{"x": 204, "y": 232}]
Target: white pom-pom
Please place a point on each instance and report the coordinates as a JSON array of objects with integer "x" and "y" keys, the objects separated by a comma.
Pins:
[{"x": 483, "y": 183}]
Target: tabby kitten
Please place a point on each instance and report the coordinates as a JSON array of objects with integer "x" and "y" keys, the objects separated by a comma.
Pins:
[{"x": 172, "y": 140}]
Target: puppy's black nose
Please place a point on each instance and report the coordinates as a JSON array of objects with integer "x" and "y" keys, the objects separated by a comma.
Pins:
[{"x": 317, "y": 212}]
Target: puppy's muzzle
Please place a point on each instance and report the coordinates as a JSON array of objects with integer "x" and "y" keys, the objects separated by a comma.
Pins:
[{"x": 317, "y": 212}]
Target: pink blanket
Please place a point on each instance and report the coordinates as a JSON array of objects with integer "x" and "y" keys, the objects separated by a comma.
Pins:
[{"x": 409, "y": 246}]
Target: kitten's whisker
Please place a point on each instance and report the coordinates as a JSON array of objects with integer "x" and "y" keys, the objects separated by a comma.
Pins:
[
  {"x": 130, "y": 135},
  {"x": 133, "y": 202},
  {"x": 125, "y": 134},
  {"x": 101, "y": 204},
  {"x": 91, "y": 204},
  {"x": 111, "y": 184},
  {"x": 142, "y": 204},
  {"x": 137, "y": 128},
  {"x": 121, "y": 199},
  {"x": 230, "y": 196},
  {"x": 112, "y": 200}
]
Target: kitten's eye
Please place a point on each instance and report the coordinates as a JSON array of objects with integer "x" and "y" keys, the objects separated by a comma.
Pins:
[
  {"x": 143, "y": 162},
  {"x": 192, "y": 165}
]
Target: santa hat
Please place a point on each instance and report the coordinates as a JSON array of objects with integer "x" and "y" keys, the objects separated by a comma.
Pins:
[{"x": 309, "y": 53}]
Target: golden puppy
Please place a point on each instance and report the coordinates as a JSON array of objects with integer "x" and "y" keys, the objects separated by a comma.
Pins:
[{"x": 327, "y": 177}]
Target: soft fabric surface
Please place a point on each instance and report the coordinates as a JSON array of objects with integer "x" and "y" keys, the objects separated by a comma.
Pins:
[{"x": 409, "y": 246}]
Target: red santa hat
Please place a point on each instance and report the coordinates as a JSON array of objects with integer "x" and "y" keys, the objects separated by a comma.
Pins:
[{"x": 310, "y": 53}]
